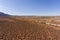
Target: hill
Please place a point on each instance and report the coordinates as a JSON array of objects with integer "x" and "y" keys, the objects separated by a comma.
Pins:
[{"x": 3, "y": 14}]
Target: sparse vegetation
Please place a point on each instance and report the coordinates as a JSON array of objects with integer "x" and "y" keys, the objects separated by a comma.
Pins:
[{"x": 27, "y": 29}]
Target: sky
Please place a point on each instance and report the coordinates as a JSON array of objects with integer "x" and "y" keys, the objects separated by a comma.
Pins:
[{"x": 31, "y": 7}]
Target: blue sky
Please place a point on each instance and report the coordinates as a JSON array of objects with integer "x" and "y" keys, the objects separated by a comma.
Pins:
[{"x": 31, "y": 7}]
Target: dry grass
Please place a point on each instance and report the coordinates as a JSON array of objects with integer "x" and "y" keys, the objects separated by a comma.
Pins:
[{"x": 27, "y": 29}]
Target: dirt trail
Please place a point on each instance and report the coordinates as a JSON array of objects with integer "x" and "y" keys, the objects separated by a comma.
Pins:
[{"x": 56, "y": 26}]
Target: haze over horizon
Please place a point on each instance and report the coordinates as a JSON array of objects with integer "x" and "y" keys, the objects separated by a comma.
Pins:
[{"x": 31, "y": 7}]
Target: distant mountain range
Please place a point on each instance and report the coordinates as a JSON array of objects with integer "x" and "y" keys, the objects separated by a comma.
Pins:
[{"x": 3, "y": 14}]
